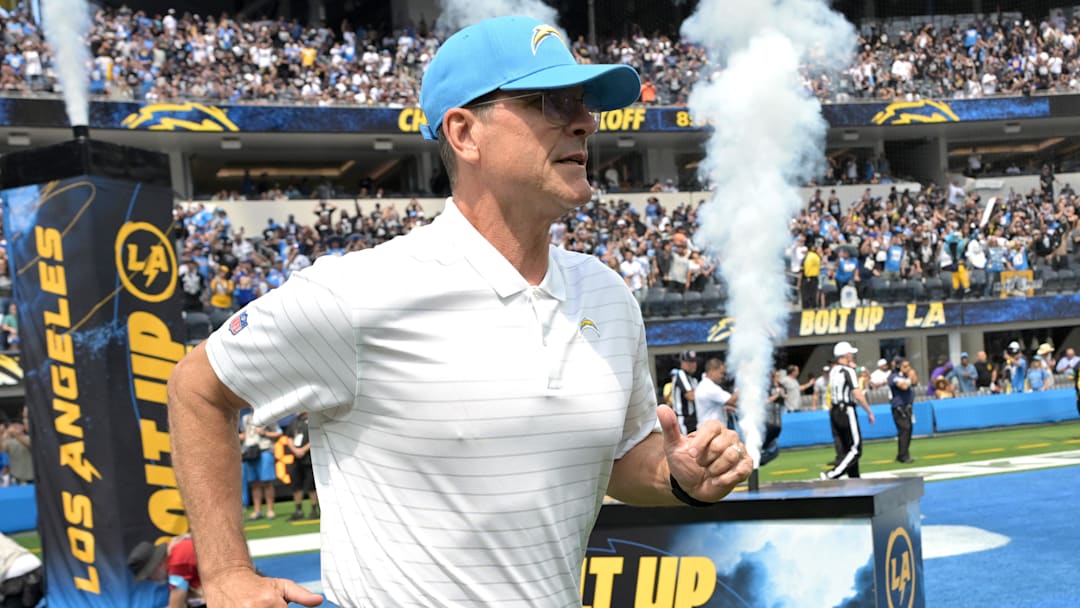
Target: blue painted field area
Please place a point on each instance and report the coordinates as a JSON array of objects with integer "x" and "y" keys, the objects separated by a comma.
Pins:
[{"x": 1037, "y": 567}]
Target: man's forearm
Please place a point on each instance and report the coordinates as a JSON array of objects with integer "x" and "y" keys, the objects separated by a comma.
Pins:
[
  {"x": 641, "y": 476},
  {"x": 206, "y": 458}
]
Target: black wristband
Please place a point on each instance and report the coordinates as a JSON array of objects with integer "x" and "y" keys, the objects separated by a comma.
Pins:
[{"x": 681, "y": 494}]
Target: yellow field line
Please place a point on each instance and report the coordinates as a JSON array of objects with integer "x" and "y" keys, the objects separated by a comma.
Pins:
[
  {"x": 988, "y": 451},
  {"x": 886, "y": 461},
  {"x": 36, "y": 550},
  {"x": 260, "y": 527},
  {"x": 1072, "y": 441},
  {"x": 790, "y": 471},
  {"x": 933, "y": 456},
  {"x": 1032, "y": 446},
  {"x": 308, "y": 522}
]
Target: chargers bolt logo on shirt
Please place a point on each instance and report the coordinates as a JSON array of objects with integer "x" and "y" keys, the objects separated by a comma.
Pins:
[
  {"x": 588, "y": 323},
  {"x": 541, "y": 32},
  {"x": 238, "y": 323}
]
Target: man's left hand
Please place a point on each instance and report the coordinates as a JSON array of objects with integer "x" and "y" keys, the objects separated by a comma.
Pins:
[{"x": 707, "y": 463}]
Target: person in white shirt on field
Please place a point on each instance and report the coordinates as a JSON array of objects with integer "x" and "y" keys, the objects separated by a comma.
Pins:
[
  {"x": 713, "y": 402},
  {"x": 442, "y": 482}
]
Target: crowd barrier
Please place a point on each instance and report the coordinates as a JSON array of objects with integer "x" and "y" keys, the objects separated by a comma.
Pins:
[
  {"x": 18, "y": 511},
  {"x": 803, "y": 429}
]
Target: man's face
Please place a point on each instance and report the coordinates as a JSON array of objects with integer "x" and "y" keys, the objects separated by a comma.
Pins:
[
  {"x": 980, "y": 357},
  {"x": 524, "y": 155},
  {"x": 690, "y": 366},
  {"x": 1070, "y": 353}
]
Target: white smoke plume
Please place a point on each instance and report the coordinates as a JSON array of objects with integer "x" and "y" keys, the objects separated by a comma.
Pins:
[
  {"x": 457, "y": 14},
  {"x": 768, "y": 138},
  {"x": 66, "y": 24}
]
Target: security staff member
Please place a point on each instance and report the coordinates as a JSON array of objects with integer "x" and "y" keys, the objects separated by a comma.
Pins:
[
  {"x": 682, "y": 392},
  {"x": 846, "y": 394},
  {"x": 902, "y": 383}
]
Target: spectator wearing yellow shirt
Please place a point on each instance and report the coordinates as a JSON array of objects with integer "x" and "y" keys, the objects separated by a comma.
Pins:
[
  {"x": 307, "y": 56},
  {"x": 809, "y": 279},
  {"x": 221, "y": 290}
]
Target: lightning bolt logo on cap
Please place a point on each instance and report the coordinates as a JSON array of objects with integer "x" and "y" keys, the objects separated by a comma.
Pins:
[
  {"x": 541, "y": 33},
  {"x": 587, "y": 323}
]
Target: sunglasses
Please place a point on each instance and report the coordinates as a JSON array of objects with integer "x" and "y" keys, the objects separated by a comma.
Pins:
[{"x": 559, "y": 107}]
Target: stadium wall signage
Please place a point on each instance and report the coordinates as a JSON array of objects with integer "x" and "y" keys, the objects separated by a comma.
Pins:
[
  {"x": 209, "y": 117},
  {"x": 834, "y": 322}
]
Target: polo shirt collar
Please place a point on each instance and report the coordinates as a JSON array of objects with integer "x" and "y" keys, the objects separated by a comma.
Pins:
[{"x": 490, "y": 264}]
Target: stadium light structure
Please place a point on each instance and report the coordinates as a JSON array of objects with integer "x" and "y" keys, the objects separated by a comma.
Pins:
[
  {"x": 383, "y": 144},
  {"x": 231, "y": 143},
  {"x": 1012, "y": 128},
  {"x": 625, "y": 142}
]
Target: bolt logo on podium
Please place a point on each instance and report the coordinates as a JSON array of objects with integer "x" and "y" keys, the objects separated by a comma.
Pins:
[
  {"x": 900, "y": 570},
  {"x": 145, "y": 262}
]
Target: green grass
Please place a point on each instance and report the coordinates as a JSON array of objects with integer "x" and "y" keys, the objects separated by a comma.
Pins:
[
  {"x": 953, "y": 448},
  {"x": 797, "y": 465}
]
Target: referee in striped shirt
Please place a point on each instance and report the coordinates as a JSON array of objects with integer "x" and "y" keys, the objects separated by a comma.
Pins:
[
  {"x": 682, "y": 392},
  {"x": 845, "y": 394}
]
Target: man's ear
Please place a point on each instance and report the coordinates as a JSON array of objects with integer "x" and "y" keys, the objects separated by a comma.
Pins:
[{"x": 461, "y": 129}]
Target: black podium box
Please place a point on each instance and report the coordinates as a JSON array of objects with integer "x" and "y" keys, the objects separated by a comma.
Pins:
[{"x": 811, "y": 544}]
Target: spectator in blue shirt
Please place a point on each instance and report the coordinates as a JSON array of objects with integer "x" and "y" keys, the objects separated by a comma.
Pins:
[
  {"x": 964, "y": 375},
  {"x": 1039, "y": 378},
  {"x": 1018, "y": 366},
  {"x": 845, "y": 268},
  {"x": 894, "y": 259}
]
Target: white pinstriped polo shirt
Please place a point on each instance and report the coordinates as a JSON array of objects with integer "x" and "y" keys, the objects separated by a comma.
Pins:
[{"x": 464, "y": 423}]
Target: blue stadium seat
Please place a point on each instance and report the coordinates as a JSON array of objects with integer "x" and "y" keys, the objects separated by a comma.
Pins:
[
  {"x": 832, "y": 294},
  {"x": 711, "y": 298},
  {"x": 1051, "y": 281},
  {"x": 673, "y": 304},
  {"x": 1068, "y": 281},
  {"x": 197, "y": 326},
  {"x": 935, "y": 288},
  {"x": 692, "y": 300},
  {"x": 917, "y": 289},
  {"x": 654, "y": 302},
  {"x": 218, "y": 317},
  {"x": 878, "y": 289}
]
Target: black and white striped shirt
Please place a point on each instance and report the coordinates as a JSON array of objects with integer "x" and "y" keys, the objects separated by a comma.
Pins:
[{"x": 842, "y": 384}]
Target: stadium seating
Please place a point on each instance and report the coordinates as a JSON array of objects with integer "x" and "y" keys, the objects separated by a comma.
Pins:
[
  {"x": 197, "y": 325},
  {"x": 693, "y": 303}
]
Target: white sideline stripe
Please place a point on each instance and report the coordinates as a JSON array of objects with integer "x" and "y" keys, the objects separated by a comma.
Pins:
[
  {"x": 947, "y": 541},
  {"x": 279, "y": 545},
  {"x": 984, "y": 467}
]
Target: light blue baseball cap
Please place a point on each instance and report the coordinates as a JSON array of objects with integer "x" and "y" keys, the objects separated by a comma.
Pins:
[{"x": 515, "y": 54}]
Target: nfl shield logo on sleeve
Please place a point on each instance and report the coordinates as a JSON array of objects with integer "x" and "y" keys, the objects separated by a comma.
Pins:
[{"x": 238, "y": 323}]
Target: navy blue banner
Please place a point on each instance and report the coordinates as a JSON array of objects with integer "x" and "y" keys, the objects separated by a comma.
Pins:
[
  {"x": 933, "y": 111},
  {"x": 835, "y": 322},
  {"x": 207, "y": 117},
  {"x": 95, "y": 287}
]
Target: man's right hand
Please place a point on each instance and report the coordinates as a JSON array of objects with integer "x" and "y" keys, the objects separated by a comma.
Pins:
[{"x": 244, "y": 588}]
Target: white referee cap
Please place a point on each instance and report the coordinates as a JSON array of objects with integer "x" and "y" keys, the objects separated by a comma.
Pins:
[{"x": 843, "y": 349}]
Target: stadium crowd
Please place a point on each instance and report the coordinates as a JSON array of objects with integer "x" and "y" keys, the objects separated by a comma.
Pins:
[
  {"x": 157, "y": 57},
  {"x": 936, "y": 232}
]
